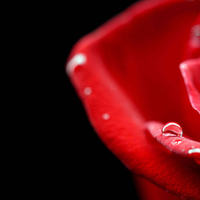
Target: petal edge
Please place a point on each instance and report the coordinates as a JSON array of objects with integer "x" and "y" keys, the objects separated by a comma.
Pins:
[{"x": 190, "y": 71}]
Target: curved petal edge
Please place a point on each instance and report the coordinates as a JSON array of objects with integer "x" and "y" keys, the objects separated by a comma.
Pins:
[{"x": 190, "y": 70}]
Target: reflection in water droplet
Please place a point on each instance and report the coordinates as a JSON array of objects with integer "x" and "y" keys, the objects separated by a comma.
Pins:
[
  {"x": 172, "y": 129},
  {"x": 176, "y": 142}
]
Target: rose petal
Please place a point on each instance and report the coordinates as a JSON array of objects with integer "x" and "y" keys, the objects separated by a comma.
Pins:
[
  {"x": 123, "y": 134},
  {"x": 190, "y": 70},
  {"x": 178, "y": 145},
  {"x": 149, "y": 191},
  {"x": 128, "y": 68}
]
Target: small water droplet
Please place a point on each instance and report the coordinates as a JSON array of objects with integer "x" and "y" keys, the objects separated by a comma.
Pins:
[
  {"x": 78, "y": 59},
  {"x": 172, "y": 129},
  {"x": 106, "y": 116},
  {"x": 88, "y": 90},
  {"x": 193, "y": 150}
]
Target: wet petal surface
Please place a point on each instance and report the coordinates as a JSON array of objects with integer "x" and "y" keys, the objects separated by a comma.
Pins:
[{"x": 131, "y": 76}]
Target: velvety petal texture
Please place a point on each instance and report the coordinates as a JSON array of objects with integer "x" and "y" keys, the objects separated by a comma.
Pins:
[{"x": 127, "y": 74}]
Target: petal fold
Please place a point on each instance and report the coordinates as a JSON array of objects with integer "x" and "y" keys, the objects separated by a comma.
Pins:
[{"x": 190, "y": 70}]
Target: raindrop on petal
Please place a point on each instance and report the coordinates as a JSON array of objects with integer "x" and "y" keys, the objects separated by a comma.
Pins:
[
  {"x": 172, "y": 129},
  {"x": 88, "y": 90},
  {"x": 197, "y": 150},
  {"x": 78, "y": 59},
  {"x": 106, "y": 116}
]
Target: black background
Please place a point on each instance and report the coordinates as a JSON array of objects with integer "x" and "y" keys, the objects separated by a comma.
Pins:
[{"x": 89, "y": 170}]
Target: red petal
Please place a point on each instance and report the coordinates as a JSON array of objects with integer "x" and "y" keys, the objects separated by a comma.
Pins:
[
  {"x": 149, "y": 191},
  {"x": 125, "y": 73},
  {"x": 190, "y": 70},
  {"x": 178, "y": 145}
]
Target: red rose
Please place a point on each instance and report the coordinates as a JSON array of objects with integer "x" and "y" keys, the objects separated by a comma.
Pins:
[{"x": 137, "y": 72}]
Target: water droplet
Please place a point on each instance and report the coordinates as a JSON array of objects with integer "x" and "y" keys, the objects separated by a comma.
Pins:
[
  {"x": 197, "y": 150},
  {"x": 88, "y": 90},
  {"x": 172, "y": 129},
  {"x": 106, "y": 116},
  {"x": 78, "y": 59}
]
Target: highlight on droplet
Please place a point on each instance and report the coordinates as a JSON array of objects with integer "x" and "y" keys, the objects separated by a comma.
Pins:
[
  {"x": 78, "y": 59},
  {"x": 172, "y": 129},
  {"x": 88, "y": 91},
  {"x": 176, "y": 142},
  {"x": 106, "y": 116}
]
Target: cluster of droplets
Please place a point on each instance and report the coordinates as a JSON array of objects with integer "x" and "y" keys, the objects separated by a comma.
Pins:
[
  {"x": 170, "y": 129},
  {"x": 81, "y": 59},
  {"x": 173, "y": 129}
]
